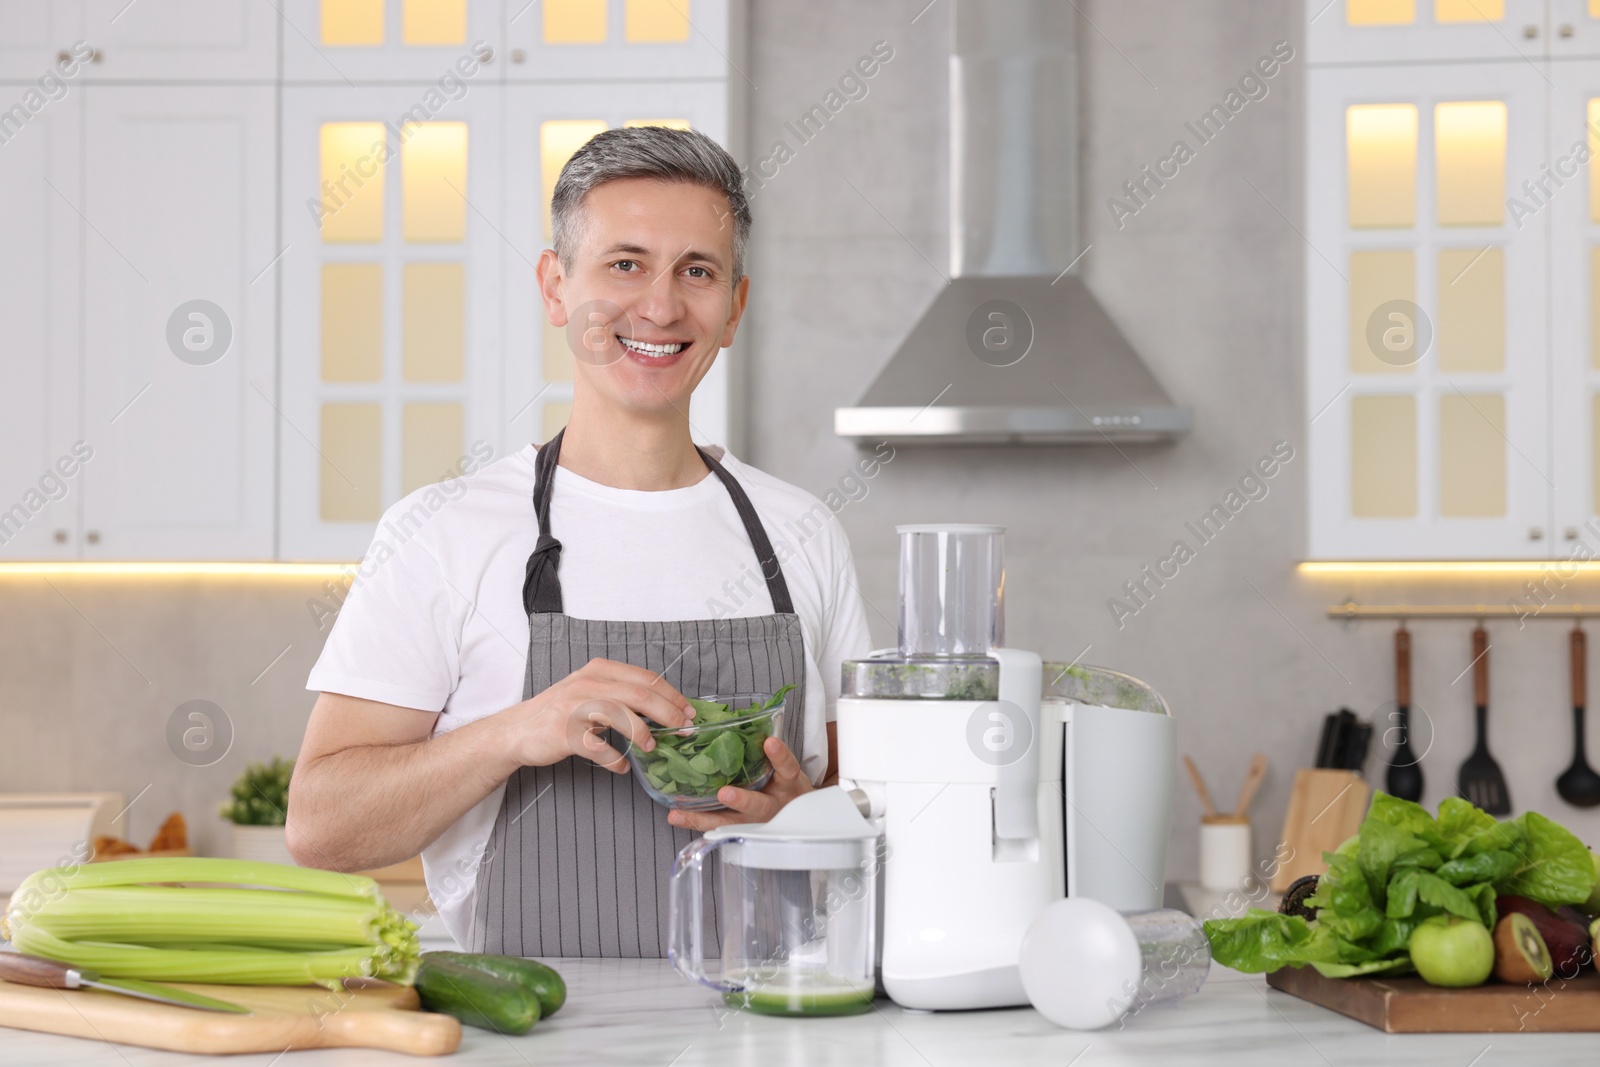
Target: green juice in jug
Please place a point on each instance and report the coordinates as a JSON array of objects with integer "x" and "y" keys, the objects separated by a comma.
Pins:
[{"x": 792, "y": 995}]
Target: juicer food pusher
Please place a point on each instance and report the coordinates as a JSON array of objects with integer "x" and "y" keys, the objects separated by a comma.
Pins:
[{"x": 1002, "y": 782}]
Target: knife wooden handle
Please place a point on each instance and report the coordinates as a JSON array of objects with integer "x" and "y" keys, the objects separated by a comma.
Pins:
[
  {"x": 1402, "y": 667},
  {"x": 31, "y": 970},
  {"x": 1580, "y": 668},
  {"x": 1480, "y": 667}
]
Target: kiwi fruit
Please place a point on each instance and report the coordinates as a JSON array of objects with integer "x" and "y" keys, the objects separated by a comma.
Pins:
[{"x": 1520, "y": 955}]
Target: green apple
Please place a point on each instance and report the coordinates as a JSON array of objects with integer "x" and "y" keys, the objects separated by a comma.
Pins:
[{"x": 1448, "y": 951}]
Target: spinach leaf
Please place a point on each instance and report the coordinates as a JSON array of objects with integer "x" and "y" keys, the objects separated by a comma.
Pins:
[{"x": 724, "y": 746}]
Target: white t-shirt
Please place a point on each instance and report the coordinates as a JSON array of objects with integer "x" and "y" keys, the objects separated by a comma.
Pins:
[{"x": 434, "y": 617}]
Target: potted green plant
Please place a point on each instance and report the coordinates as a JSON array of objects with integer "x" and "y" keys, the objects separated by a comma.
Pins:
[{"x": 258, "y": 809}]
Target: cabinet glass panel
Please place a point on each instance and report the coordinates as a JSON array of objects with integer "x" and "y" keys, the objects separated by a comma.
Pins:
[
  {"x": 352, "y": 322},
  {"x": 352, "y": 22},
  {"x": 656, "y": 21},
  {"x": 1472, "y": 310},
  {"x": 553, "y": 418},
  {"x": 558, "y": 139},
  {"x": 1469, "y": 10},
  {"x": 1472, "y": 455},
  {"x": 1470, "y": 157},
  {"x": 1380, "y": 343},
  {"x": 574, "y": 21},
  {"x": 1381, "y": 146},
  {"x": 432, "y": 438},
  {"x": 434, "y": 314},
  {"x": 352, "y": 182},
  {"x": 352, "y": 446},
  {"x": 671, "y": 124},
  {"x": 1379, "y": 12},
  {"x": 434, "y": 22},
  {"x": 1594, "y": 153},
  {"x": 433, "y": 161},
  {"x": 1383, "y": 457}
]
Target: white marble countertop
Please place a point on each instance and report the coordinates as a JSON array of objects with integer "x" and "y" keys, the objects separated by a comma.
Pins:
[{"x": 640, "y": 1012}]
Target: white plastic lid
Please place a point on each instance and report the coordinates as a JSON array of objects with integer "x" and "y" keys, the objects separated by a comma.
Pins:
[
  {"x": 819, "y": 830},
  {"x": 1080, "y": 963}
]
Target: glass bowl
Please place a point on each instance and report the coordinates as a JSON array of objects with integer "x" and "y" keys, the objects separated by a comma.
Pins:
[{"x": 722, "y": 747}]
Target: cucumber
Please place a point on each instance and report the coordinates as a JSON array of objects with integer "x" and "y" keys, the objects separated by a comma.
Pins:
[
  {"x": 531, "y": 975},
  {"x": 475, "y": 996}
]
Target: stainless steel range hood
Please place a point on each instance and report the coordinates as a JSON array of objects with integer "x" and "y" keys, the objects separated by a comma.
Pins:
[{"x": 1015, "y": 349}]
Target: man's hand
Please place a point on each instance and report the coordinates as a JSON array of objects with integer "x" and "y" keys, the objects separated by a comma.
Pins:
[
  {"x": 570, "y": 717},
  {"x": 747, "y": 805}
]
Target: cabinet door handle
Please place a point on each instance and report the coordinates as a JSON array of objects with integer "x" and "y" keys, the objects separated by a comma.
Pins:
[
  {"x": 60, "y": 537},
  {"x": 93, "y": 537},
  {"x": 1536, "y": 533},
  {"x": 518, "y": 55},
  {"x": 1567, "y": 30},
  {"x": 1530, "y": 31},
  {"x": 1570, "y": 533}
]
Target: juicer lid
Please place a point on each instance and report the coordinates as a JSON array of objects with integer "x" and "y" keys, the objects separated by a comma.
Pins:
[
  {"x": 819, "y": 830},
  {"x": 820, "y": 815}
]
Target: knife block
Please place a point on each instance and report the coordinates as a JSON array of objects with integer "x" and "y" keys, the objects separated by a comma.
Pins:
[{"x": 1325, "y": 808}]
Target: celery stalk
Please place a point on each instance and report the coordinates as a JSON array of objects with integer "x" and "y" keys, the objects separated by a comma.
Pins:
[
  {"x": 150, "y": 915},
  {"x": 148, "y": 919},
  {"x": 225, "y": 965}
]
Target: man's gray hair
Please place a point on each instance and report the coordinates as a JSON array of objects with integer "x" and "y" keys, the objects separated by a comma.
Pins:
[{"x": 657, "y": 152}]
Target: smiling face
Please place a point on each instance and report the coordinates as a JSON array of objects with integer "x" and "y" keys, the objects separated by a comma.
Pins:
[{"x": 648, "y": 298}]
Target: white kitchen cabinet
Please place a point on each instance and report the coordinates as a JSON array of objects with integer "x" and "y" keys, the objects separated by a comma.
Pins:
[
  {"x": 454, "y": 44},
  {"x": 1425, "y": 450},
  {"x": 35, "y": 33},
  {"x": 1574, "y": 28},
  {"x": 1570, "y": 200},
  {"x": 566, "y": 41},
  {"x": 187, "y": 181},
  {"x": 553, "y": 121},
  {"x": 392, "y": 369},
  {"x": 182, "y": 40},
  {"x": 179, "y": 195},
  {"x": 41, "y": 238},
  {"x": 1388, "y": 31}
]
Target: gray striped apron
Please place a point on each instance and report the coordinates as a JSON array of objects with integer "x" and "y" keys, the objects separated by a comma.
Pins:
[{"x": 578, "y": 861}]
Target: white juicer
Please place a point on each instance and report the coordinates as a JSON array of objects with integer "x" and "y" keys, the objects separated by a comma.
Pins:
[{"x": 1003, "y": 782}]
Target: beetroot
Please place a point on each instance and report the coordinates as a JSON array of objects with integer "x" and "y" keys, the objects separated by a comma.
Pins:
[{"x": 1567, "y": 940}]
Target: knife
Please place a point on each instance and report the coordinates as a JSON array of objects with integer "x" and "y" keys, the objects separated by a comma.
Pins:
[{"x": 32, "y": 970}]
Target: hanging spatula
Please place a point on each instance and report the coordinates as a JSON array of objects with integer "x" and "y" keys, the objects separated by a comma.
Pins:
[
  {"x": 1480, "y": 780},
  {"x": 1405, "y": 776},
  {"x": 1579, "y": 785}
]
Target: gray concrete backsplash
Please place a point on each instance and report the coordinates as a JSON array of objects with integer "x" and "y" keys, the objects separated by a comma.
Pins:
[{"x": 850, "y": 240}]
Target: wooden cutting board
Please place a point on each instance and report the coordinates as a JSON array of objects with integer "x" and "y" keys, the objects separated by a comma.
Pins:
[
  {"x": 1411, "y": 1006},
  {"x": 285, "y": 1017}
]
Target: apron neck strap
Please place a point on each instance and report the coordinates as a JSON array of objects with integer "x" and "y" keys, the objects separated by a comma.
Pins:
[
  {"x": 770, "y": 569},
  {"x": 541, "y": 586}
]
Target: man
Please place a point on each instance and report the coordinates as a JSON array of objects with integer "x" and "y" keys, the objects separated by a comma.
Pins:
[{"x": 591, "y": 575}]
